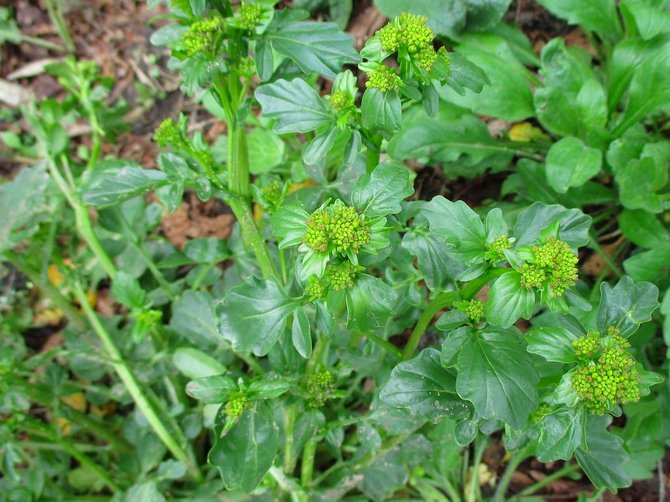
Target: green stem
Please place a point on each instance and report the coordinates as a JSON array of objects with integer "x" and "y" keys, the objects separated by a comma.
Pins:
[
  {"x": 387, "y": 346},
  {"x": 289, "y": 457},
  {"x": 153, "y": 269},
  {"x": 594, "y": 244},
  {"x": 373, "y": 154},
  {"x": 443, "y": 301},
  {"x": 70, "y": 449},
  {"x": 55, "y": 10},
  {"x": 480, "y": 445},
  {"x": 561, "y": 473},
  {"x": 133, "y": 386},
  {"x": 41, "y": 43},
  {"x": 307, "y": 466},
  {"x": 512, "y": 466}
]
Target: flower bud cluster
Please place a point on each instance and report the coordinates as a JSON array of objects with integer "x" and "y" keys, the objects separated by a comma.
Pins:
[
  {"x": 250, "y": 16},
  {"x": 609, "y": 377},
  {"x": 236, "y": 406},
  {"x": 315, "y": 289},
  {"x": 320, "y": 386},
  {"x": 339, "y": 228},
  {"x": 586, "y": 346},
  {"x": 341, "y": 102},
  {"x": 475, "y": 310},
  {"x": 384, "y": 78},
  {"x": 272, "y": 194},
  {"x": 495, "y": 251},
  {"x": 553, "y": 264},
  {"x": 411, "y": 33},
  {"x": 341, "y": 276},
  {"x": 167, "y": 133},
  {"x": 202, "y": 36}
]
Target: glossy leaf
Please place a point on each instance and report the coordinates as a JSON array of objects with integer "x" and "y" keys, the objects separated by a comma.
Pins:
[
  {"x": 498, "y": 376},
  {"x": 112, "y": 186},
  {"x": 424, "y": 387},
  {"x": 193, "y": 317},
  {"x": 211, "y": 389},
  {"x": 194, "y": 363},
  {"x": 626, "y": 305},
  {"x": 301, "y": 334},
  {"x": 561, "y": 433},
  {"x": 573, "y": 225},
  {"x": 380, "y": 192},
  {"x": 509, "y": 301},
  {"x": 381, "y": 111},
  {"x": 551, "y": 342},
  {"x": 369, "y": 303},
  {"x": 571, "y": 163},
  {"x": 295, "y": 104}
]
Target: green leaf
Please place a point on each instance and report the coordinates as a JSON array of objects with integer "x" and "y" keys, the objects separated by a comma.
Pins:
[
  {"x": 573, "y": 225},
  {"x": 638, "y": 183},
  {"x": 211, "y": 389},
  {"x": 295, "y": 104},
  {"x": 193, "y": 318},
  {"x": 464, "y": 74},
  {"x": 561, "y": 433},
  {"x": 314, "y": 47},
  {"x": 194, "y": 363},
  {"x": 254, "y": 315},
  {"x": 301, "y": 334},
  {"x": 647, "y": 19},
  {"x": 288, "y": 225},
  {"x": 21, "y": 201},
  {"x": 381, "y": 111},
  {"x": 643, "y": 229},
  {"x": 245, "y": 454},
  {"x": 509, "y": 301},
  {"x": 266, "y": 151},
  {"x": 643, "y": 438},
  {"x": 114, "y": 185},
  {"x": 604, "y": 458},
  {"x": 626, "y": 305},
  {"x": 319, "y": 147},
  {"x": 551, "y": 342},
  {"x": 127, "y": 291},
  {"x": 498, "y": 376},
  {"x": 424, "y": 387},
  {"x": 571, "y": 163},
  {"x": 462, "y": 228},
  {"x": 451, "y": 21},
  {"x": 599, "y": 16},
  {"x": 463, "y": 139},
  {"x": 509, "y": 96},
  {"x": 380, "y": 192},
  {"x": 652, "y": 265},
  {"x": 269, "y": 387},
  {"x": 432, "y": 253},
  {"x": 369, "y": 303}
]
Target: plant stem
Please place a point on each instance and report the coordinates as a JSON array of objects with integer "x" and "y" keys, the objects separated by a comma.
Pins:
[
  {"x": 512, "y": 466},
  {"x": 307, "y": 466},
  {"x": 55, "y": 10},
  {"x": 289, "y": 457},
  {"x": 561, "y": 473},
  {"x": 594, "y": 244},
  {"x": 480, "y": 445},
  {"x": 41, "y": 43},
  {"x": 133, "y": 386},
  {"x": 443, "y": 301}
]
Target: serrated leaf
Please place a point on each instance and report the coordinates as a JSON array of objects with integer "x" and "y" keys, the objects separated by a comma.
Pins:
[
  {"x": 572, "y": 223},
  {"x": 380, "y": 192},
  {"x": 626, "y": 305},
  {"x": 295, "y": 104},
  {"x": 551, "y": 342},
  {"x": 643, "y": 229},
  {"x": 498, "y": 376},
  {"x": 254, "y": 315},
  {"x": 288, "y": 225},
  {"x": 369, "y": 303},
  {"x": 561, "y": 433},
  {"x": 115, "y": 185}
]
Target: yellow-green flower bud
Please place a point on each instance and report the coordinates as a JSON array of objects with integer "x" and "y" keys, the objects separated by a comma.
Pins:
[
  {"x": 315, "y": 289},
  {"x": 553, "y": 264},
  {"x": 495, "y": 251},
  {"x": 236, "y": 406},
  {"x": 317, "y": 230},
  {"x": 347, "y": 229},
  {"x": 384, "y": 78},
  {"x": 202, "y": 36},
  {"x": 250, "y": 16},
  {"x": 167, "y": 133},
  {"x": 609, "y": 377},
  {"x": 389, "y": 36},
  {"x": 414, "y": 33},
  {"x": 272, "y": 193},
  {"x": 320, "y": 386},
  {"x": 341, "y": 276},
  {"x": 247, "y": 67},
  {"x": 475, "y": 310},
  {"x": 341, "y": 102}
]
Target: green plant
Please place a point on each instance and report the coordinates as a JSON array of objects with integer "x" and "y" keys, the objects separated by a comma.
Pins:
[{"x": 314, "y": 365}]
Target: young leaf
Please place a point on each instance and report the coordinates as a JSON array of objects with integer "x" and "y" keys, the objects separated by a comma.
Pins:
[
  {"x": 498, "y": 376},
  {"x": 247, "y": 451},
  {"x": 295, "y": 104},
  {"x": 424, "y": 387},
  {"x": 211, "y": 389},
  {"x": 509, "y": 301},
  {"x": 112, "y": 186},
  {"x": 432, "y": 253},
  {"x": 301, "y": 334},
  {"x": 571, "y": 163},
  {"x": 254, "y": 315},
  {"x": 381, "y": 111},
  {"x": 459, "y": 225},
  {"x": 127, "y": 290},
  {"x": 551, "y": 342},
  {"x": 318, "y": 148},
  {"x": 626, "y": 305},
  {"x": 288, "y": 225},
  {"x": 194, "y": 363},
  {"x": 369, "y": 303},
  {"x": 573, "y": 225},
  {"x": 380, "y": 193}
]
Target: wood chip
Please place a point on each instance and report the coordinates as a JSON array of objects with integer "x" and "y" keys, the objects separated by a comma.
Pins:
[{"x": 13, "y": 94}]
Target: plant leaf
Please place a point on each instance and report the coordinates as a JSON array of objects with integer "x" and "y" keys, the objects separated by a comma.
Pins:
[
  {"x": 380, "y": 192},
  {"x": 114, "y": 185},
  {"x": 626, "y": 305},
  {"x": 571, "y": 163}
]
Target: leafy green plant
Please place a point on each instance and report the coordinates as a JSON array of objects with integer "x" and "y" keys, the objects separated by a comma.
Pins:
[{"x": 359, "y": 340}]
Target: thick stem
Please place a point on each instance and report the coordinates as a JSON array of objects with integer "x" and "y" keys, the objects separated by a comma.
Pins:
[
  {"x": 134, "y": 388},
  {"x": 307, "y": 466}
]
